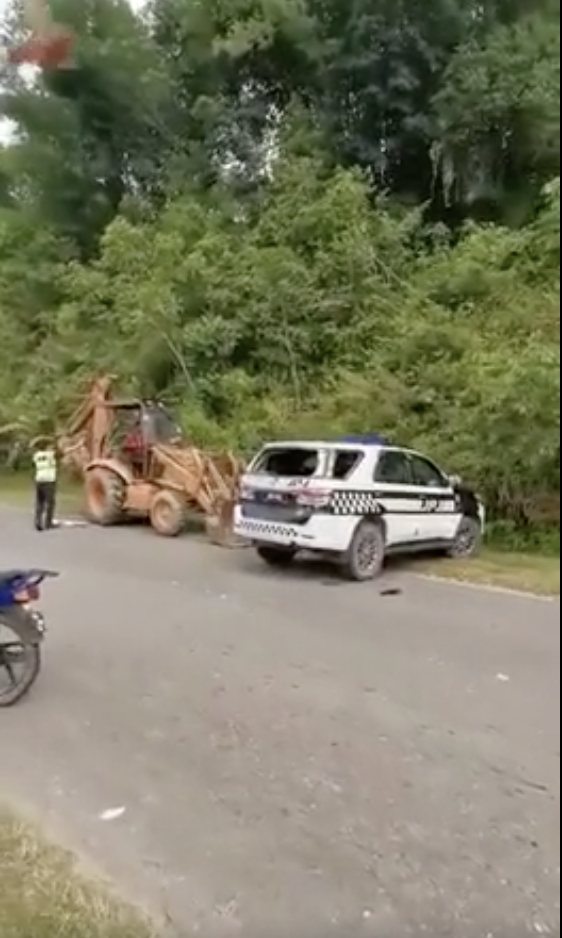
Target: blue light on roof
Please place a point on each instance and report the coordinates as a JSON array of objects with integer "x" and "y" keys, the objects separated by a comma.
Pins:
[{"x": 366, "y": 439}]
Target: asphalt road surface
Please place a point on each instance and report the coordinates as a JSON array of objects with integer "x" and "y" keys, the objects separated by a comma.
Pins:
[{"x": 296, "y": 757}]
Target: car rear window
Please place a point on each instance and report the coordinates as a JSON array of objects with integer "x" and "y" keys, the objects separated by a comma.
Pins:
[
  {"x": 304, "y": 462},
  {"x": 288, "y": 461}
]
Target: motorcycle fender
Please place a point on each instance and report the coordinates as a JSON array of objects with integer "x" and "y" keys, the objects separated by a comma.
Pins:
[{"x": 28, "y": 625}]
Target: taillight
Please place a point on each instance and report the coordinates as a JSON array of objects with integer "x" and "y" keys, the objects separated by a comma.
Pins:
[{"x": 28, "y": 594}]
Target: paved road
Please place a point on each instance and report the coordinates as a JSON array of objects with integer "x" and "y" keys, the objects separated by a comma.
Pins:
[{"x": 296, "y": 756}]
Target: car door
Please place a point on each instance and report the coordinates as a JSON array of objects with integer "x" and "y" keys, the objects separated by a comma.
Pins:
[
  {"x": 397, "y": 496},
  {"x": 439, "y": 515}
]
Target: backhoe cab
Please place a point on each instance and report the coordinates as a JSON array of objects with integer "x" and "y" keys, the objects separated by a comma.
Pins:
[{"x": 139, "y": 426}]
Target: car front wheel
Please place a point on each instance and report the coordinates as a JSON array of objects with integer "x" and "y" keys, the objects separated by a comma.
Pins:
[{"x": 467, "y": 539}]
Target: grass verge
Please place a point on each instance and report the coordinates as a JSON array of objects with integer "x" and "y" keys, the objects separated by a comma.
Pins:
[
  {"x": 529, "y": 573},
  {"x": 42, "y": 894}
]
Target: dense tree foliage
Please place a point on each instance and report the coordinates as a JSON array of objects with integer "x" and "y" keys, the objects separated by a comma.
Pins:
[{"x": 297, "y": 216}]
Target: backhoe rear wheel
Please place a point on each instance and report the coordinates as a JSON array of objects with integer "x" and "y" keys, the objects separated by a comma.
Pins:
[
  {"x": 168, "y": 514},
  {"x": 105, "y": 496}
]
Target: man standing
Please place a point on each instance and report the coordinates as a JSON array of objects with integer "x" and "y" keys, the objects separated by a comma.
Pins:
[{"x": 45, "y": 462}]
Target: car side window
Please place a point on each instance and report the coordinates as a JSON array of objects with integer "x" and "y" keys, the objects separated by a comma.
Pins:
[
  {"x": 393, "y": 466},
  {"x": 424, "y": 473}
]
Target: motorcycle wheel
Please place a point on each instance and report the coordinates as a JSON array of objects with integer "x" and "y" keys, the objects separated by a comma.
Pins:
[{"x": 26, "y": 655}]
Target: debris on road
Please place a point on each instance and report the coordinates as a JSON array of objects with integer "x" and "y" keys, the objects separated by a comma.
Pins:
[
  {"x": 70, "y": 523},
  {"x": 112, "y": 814}
]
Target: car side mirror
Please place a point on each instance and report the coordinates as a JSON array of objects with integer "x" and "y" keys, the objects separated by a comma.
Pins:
[{"x": 455, "y": 480}]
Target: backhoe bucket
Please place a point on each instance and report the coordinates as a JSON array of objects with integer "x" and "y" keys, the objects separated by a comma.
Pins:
[{"x": 220, "y": 526}]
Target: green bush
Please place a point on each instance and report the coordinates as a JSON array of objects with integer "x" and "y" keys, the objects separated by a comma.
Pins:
[{"x": 285, "y": 228}]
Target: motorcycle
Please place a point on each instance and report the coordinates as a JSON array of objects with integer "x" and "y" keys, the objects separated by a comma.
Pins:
[{"x": 22, "y": 630}]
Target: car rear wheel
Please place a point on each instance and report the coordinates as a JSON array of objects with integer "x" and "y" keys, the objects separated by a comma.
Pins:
[{"x": 364, "y": 557}]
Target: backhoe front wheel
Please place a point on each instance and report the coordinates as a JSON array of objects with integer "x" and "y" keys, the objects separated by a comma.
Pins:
[
  {"x": 106, "y": 493},
  {"x": 168, "y": 514}
]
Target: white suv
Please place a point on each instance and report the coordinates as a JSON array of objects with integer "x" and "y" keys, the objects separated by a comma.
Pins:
[{"x": 355, "y": 501}]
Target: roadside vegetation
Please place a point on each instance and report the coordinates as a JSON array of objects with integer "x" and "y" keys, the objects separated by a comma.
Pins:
[
  {"x": 43, "y": 895},
  {"x": 298, "y": 218}
]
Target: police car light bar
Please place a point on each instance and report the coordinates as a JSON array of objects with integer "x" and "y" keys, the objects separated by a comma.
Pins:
[{"x": 366, "y": 439}]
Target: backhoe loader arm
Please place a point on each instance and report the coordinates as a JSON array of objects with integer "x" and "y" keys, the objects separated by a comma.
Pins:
[{"x": 84, "y": 439}]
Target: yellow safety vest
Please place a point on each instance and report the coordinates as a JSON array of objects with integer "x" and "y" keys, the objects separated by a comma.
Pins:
[{"x": 45, "y": 463}]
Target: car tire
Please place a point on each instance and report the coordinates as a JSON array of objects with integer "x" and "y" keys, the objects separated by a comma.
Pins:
[
  {"x": 276, "y": 556},
  {"x": 364, "y": 558},
  {"x": 467, "y": 539}
]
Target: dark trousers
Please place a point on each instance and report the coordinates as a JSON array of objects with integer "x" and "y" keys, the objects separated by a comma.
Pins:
[{"x": 45, "y": 500}]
